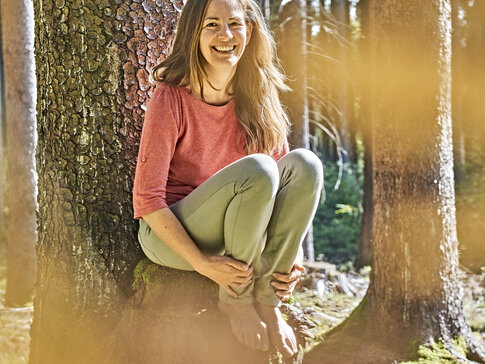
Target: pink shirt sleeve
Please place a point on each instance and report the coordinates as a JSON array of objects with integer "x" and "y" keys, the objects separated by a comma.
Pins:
[{"x": 157, "y": 145}]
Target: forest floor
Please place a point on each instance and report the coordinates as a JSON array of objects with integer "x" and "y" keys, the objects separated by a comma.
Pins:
[{"x": 326, "y": 296}]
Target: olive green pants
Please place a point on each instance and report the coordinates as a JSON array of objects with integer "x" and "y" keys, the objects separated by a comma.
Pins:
[{"x": 254, "y": 210}]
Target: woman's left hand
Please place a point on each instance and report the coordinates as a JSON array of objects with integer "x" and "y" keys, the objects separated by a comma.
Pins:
[{"x": 284, "y": 284}]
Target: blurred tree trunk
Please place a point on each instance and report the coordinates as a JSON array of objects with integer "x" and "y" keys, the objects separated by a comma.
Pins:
[
  {"x": 92, "y": 59},
  {"x": 18, "y": 53},
  {"x": 413, "y": 296},
  {"x": 340, "y": 77},
  {"x": 293, "y": 55},
  {"x": 2, "y": 132},
  {"x": 469, "y": 112},
  {"x": 364, "y": 252},
  {"x": 457, "y": 94}
]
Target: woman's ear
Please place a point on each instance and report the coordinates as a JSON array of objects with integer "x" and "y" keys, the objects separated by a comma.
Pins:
[{"x": 249, "y": 31}]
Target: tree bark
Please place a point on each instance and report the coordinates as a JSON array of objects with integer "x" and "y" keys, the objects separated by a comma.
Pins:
[
  {"x": 292, "y": 52},
  {"x": 93, "y": 59},
  {"x": 18, "y": 38},
  {"x": 413, "y": 295}
]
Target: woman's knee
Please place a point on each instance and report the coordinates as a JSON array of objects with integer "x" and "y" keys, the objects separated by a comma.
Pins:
[
  {"x": 306, "y": 166},
  {"x": 262, "y": 170}
]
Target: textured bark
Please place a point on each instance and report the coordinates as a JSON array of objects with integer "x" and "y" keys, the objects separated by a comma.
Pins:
[
  {"x": 92, "y": 59},
  {"x": 292, "y": 53},
  {"x": 18, "y": 39},
  {"x": 414, "y": 294}
]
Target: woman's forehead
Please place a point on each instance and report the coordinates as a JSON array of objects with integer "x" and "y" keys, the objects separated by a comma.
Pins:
[{"x": 224, "y": 8}]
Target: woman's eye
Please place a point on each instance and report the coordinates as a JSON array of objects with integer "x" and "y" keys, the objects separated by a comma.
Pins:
[
  {"x": 211, "y": 25},
  {"x": 236, "y": 24}
]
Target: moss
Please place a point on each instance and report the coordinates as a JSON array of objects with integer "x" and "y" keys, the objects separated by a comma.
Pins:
[
  {"x": 437, "y": 352},
  {"x": 143, "y": 272}
]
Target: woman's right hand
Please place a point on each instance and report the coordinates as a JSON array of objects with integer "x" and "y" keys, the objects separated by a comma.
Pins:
[{"x": 226, "y": 272}]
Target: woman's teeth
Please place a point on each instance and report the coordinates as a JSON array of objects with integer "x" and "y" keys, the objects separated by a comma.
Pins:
[{"x": 225, "y": 49}]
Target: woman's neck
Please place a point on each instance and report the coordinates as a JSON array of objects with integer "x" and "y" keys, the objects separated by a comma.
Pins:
[{"x": 218, "y": 94}]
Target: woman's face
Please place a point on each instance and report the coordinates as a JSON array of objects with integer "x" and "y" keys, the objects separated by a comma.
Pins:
[{"x": 224, "y": 35}]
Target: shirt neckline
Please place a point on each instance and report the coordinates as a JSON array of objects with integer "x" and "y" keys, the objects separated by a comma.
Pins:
[{"x": 205, "y": 104}]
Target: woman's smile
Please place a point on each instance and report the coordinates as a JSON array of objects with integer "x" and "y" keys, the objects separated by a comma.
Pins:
[{"x": 224, "y": 49}]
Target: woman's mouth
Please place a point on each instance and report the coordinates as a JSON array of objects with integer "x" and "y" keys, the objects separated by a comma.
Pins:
[{"x": 224, "y": 49}]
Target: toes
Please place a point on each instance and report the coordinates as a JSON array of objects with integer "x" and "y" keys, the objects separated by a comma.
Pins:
[
  {"x": 292, "y": 345},
  {"x": 263, "y": 337},
  {"x": 286, "y": 351}
]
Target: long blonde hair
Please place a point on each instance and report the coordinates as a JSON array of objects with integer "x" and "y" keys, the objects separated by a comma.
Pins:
[{"x": 255, "y": 84}]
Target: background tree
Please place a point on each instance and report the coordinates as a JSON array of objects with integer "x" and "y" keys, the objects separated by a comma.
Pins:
[
  {"x": 293, "y": 55},
  {"x": 18, "y": 38},
  {"x": 469, "y": 113},
  {"x": 412, "y": 297},
  {"x": 2, "y": 131},
  {"x": 364, "y": 252}
]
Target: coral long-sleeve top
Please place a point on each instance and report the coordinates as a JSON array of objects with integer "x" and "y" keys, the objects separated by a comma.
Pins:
[{"x": 184, "y": 142}]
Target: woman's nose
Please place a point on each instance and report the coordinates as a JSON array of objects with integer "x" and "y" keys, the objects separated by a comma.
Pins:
[{"x": 224, "y": 32}]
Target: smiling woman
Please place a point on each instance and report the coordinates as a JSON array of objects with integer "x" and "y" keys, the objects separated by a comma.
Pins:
[{"x": 216, "y": 189}]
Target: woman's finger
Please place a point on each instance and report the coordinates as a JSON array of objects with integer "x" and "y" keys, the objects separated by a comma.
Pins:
[
  {"x": 243, "y": 282},
  {"x": 241, "y": 266},
  {"x": 280, "y": 285},
  {"x": 246, "y": 274},
  {"x": 293, "y": 276}
]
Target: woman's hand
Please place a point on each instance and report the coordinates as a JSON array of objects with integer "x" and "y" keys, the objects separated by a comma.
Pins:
[
  {"x": 226, "y": 272},
  {"x": 284, "y": 284}
]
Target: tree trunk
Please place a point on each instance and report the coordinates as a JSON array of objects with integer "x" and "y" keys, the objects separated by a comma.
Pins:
[
  {"x": 413, "y": 296},
  {"x": 457, "y": 94},
  {"x": 18, "y": 39},
  {"x": 340, "y": 78},
  {"x": 2, "y": 132},
  {"x": 364, "y": 252},
  {"x": 292, "y": 52},
  {"x": 93, "y": 59}
]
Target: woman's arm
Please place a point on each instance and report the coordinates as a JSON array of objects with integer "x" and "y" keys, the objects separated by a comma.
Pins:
[{"x": 223, "y": 270}]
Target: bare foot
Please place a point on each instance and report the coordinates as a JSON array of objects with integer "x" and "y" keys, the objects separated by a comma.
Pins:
[
  {"x": 246, "y": 324},
  {"x": 280, "y": 333}
]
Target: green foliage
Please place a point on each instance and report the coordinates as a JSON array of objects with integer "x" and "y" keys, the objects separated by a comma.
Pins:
[{"x": 336, "y": 227}]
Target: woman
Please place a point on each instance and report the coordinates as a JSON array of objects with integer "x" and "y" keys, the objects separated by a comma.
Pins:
[{"x": 216, "y": 189}]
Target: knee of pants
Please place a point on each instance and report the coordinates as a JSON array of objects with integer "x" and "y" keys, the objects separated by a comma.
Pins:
[
  {"x": 307, "y": 167},
  {"x": 261, "y": 171}
]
